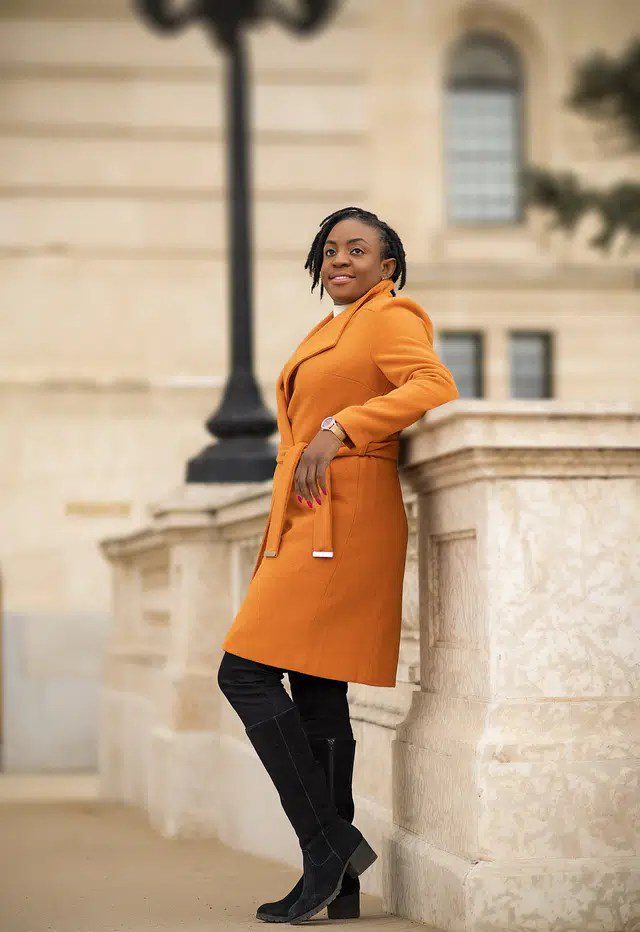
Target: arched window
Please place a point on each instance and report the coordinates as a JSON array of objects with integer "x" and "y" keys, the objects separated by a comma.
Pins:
[{"x": 483, "y": 98}]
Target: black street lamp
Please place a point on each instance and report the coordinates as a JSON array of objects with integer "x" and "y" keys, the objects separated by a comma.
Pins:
[{"x": 242, "y": 422}]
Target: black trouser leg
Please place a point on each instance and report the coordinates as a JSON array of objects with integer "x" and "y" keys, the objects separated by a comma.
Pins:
[
  {"x": 324, "y": 709},
  {"x": 323, "y": 705},
  {"x": 310, "y": 761},
  {"x": 254, "y": 689},
  {"x": 275, "y": 728}
]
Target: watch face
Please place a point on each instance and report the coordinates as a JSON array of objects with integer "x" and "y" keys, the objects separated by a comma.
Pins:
[{"x": 328, "y": 422}]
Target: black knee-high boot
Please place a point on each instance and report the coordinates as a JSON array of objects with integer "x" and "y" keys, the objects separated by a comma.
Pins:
[
  {"x": 336, "y": 757},
  {"x": 330, "y": 845}
]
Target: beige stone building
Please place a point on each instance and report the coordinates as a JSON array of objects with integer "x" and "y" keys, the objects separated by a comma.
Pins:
[{"x": 113, "y": 273}]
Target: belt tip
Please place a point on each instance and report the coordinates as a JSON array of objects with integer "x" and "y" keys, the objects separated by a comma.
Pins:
[
  {"x": 323, "y": 553},
  {"x": 270, "y": 553}
]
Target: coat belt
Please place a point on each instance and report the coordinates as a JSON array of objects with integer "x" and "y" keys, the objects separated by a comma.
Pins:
[{"x": 286, "y": 462}]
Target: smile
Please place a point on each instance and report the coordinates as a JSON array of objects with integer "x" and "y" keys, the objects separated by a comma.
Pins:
[{"x": 341, "y": 278}]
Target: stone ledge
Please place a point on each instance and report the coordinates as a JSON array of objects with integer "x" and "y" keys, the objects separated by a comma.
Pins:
[
  {"x": 524, "y": 273},
  {"x": 472, "y": 465},
  {"x": 470, "y": 438}
]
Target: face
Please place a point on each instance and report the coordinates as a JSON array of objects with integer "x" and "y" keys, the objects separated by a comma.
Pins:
[{"x": 351, "y": 263}]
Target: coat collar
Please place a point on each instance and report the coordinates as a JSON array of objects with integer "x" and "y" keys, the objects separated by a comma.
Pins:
[{"x": 327, "y": 332}]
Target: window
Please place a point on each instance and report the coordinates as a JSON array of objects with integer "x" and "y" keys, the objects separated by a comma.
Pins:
[
  {"x": 482, "y": 121},
  {"x": 462, "y": 352},
  {"x": 530, "y": 364}
]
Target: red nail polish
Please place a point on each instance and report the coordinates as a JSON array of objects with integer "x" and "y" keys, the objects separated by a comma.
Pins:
[{"x": 299, "y": 497}]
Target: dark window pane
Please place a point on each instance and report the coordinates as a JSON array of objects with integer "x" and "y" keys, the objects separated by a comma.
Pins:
[
  {"x": 530, "y": 365},
  {"x": 461, "y": 352}
]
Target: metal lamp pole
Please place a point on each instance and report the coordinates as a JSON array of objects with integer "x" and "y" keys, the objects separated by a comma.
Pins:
[{"x": 242, "y": 422}]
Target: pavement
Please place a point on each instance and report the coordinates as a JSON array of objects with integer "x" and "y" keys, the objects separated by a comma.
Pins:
[{"x": 72, "y": 863}]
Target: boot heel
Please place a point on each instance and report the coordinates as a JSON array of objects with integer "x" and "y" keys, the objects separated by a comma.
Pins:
[
  {"x": 345, "y": 907},
  {"x": 362, "y": 858}
]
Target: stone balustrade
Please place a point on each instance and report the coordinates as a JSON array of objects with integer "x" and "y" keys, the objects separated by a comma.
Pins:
[{"x": 499, "y": 779}]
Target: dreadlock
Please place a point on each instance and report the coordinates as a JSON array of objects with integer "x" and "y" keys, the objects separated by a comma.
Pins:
[{"x": 391, "y": 244}]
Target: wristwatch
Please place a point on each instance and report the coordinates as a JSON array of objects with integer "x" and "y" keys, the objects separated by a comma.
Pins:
[{"x": 330, "y": 423}]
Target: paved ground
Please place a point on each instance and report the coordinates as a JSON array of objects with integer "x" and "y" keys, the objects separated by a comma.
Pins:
[{"x": 78, "y": 865}]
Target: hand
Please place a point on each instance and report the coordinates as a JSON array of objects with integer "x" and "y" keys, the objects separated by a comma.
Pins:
[{"x": 310, "y": 472}]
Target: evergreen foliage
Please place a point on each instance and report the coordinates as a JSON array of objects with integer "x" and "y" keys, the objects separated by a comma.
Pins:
[{"x": 605, "y": 89}]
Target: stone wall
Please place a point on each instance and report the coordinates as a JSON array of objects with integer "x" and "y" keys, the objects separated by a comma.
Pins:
[{"x": 499, "y": 780}]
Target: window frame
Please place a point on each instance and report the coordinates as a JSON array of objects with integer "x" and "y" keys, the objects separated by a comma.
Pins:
[
  {"x": 517, "y": 84},
  {"x": 479, "y": 337},
  {"x": 548, "y": 360}
]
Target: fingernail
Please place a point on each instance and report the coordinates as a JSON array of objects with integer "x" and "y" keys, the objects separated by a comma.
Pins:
[
  {"x": 299, "y": 497},
  {"x": 319, "y": 501},
  {"x": 309, "y": 504}
]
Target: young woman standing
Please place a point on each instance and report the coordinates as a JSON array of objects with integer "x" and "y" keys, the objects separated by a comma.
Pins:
[{"x": 324, "y": 603}]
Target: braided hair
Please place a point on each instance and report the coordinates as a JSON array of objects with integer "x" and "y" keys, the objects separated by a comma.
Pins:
[{"x": 390, "y": 244}]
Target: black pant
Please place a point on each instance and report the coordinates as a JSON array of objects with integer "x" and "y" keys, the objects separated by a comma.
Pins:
[{"x": 256, "y": 692}]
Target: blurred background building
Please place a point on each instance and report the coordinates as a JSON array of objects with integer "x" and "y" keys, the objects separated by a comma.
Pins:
[{"x": 113, "y": 272}]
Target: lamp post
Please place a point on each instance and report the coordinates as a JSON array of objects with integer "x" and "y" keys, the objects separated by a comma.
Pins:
[{"x": 242, "y": 422}]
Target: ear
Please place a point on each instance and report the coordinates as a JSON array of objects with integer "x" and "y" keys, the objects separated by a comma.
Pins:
[{"x": 388, "y": 267}]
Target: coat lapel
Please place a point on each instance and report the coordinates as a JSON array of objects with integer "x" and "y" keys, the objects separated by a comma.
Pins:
[{"x": 326, "y": 334}]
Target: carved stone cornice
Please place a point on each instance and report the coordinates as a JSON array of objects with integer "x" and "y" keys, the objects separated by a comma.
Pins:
[
  {"x": 471, "y": 439},
  {"x": 473, "y": 464}
]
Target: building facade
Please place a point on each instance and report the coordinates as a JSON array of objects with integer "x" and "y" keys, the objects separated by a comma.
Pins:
[{"x": 114, "y": 274}]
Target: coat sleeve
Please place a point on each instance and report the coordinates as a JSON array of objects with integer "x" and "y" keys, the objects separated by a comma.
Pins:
[{"x": 402, "y": 348}]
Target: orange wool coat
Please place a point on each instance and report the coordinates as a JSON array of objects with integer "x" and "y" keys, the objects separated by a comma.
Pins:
[{"x": 325, "y": 596}]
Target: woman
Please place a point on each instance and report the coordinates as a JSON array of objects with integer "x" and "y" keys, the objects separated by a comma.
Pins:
[{"x": 324, "y": 603}]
